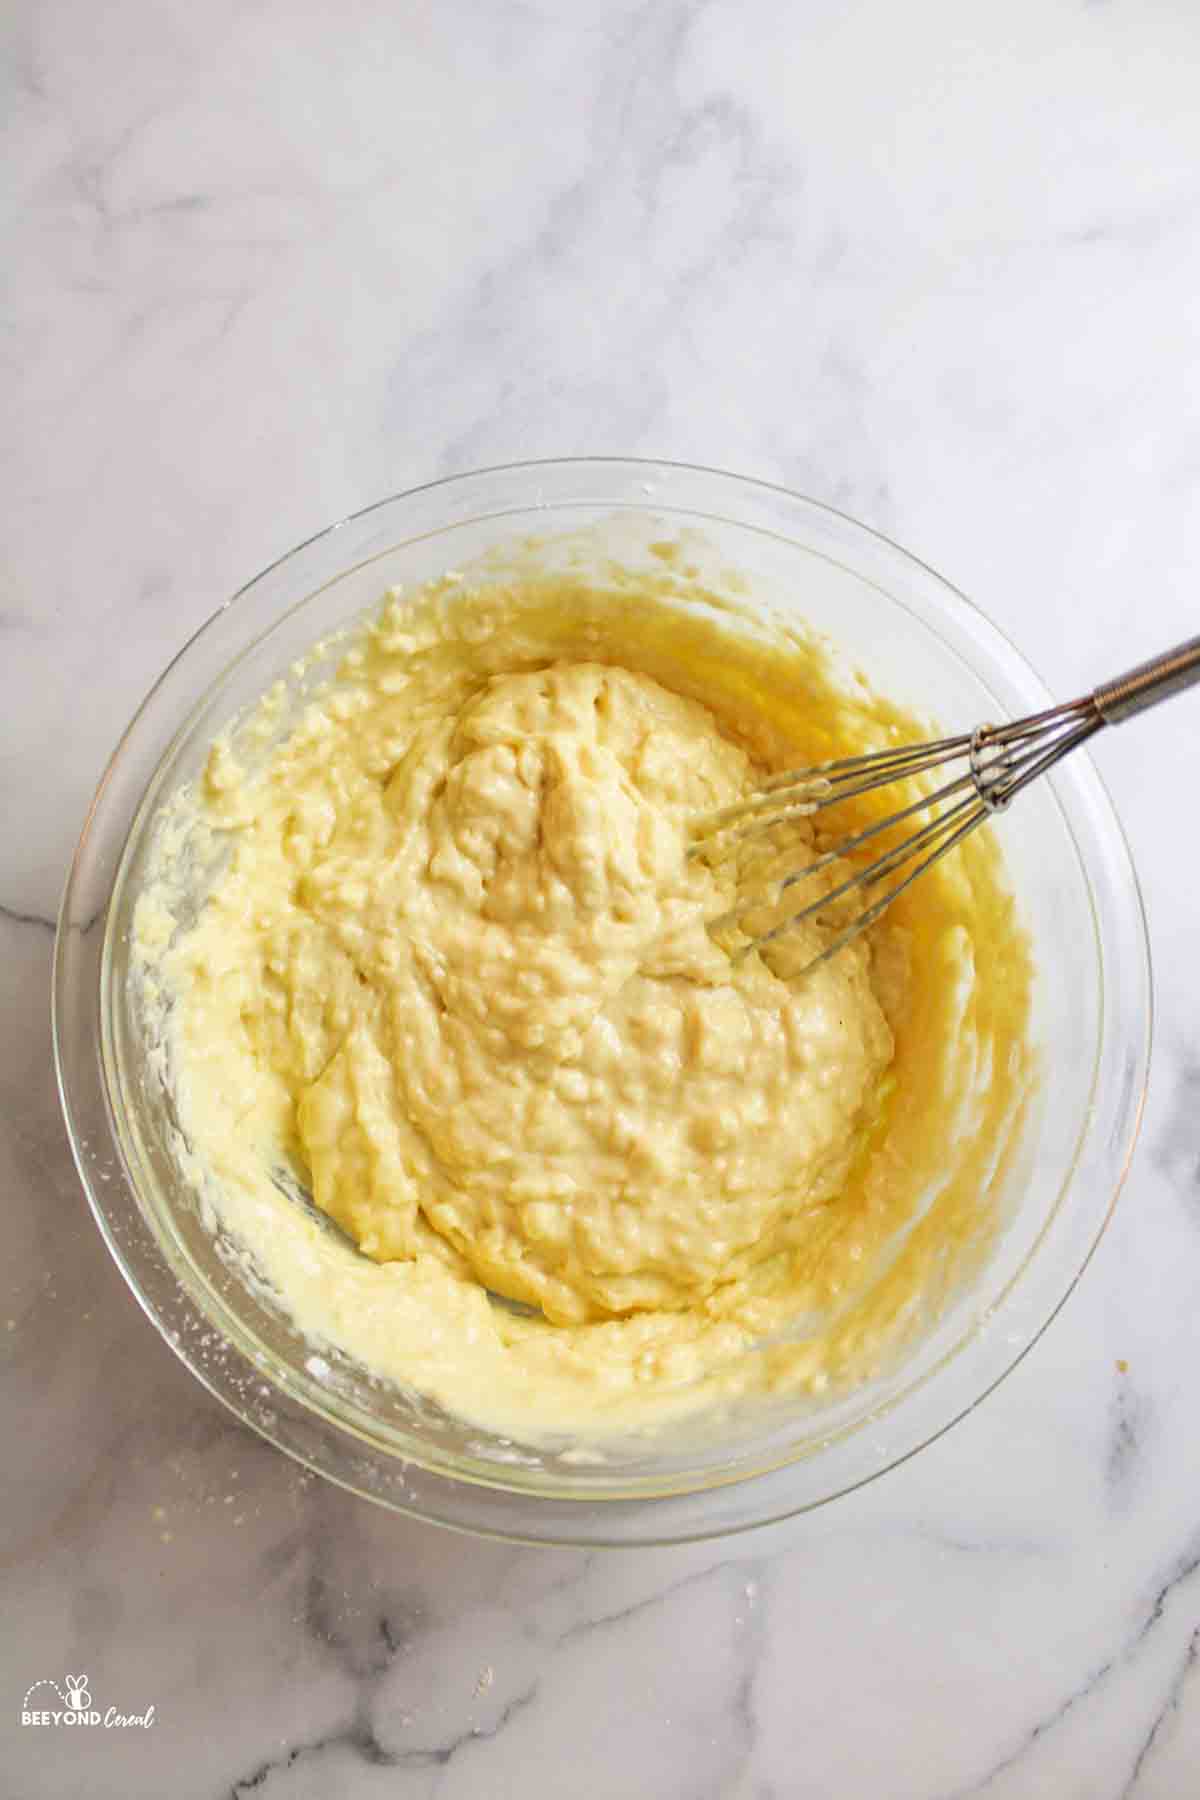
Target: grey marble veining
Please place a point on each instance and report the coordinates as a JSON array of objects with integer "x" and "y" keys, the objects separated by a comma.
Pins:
[{"x": 266, "y": 263}]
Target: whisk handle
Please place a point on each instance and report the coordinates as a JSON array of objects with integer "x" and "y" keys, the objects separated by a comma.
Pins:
[{"x": 1148, "y": 683}]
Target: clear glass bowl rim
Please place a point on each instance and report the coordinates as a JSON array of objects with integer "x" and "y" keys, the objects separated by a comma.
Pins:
[{"x": 288, "y": 1421}]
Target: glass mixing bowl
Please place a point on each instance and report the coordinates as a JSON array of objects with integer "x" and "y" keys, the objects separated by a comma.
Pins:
[{"x": 926, "y": 647}]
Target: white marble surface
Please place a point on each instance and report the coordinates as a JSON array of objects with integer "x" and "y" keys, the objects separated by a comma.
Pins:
[{"x": 268, "y": 261}]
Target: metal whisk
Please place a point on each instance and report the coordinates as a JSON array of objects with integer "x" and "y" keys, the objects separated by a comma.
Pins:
[{"x": 999, "y": 761}]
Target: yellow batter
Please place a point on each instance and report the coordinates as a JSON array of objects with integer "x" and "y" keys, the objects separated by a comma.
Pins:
[{"x": 455, "y": 976}]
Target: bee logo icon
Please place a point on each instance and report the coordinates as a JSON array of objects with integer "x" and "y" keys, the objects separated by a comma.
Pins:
[{"x": 78, "y": 1695}]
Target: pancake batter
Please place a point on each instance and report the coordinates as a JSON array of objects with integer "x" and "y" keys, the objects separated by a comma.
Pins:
[{"x": 455, "y": 977}]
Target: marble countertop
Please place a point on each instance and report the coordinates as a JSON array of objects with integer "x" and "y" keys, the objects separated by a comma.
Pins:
[{"x": 267, "y": 262}]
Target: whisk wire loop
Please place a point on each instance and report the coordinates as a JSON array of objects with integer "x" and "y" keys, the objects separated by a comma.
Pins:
[{"x": 1001, "y": 760}]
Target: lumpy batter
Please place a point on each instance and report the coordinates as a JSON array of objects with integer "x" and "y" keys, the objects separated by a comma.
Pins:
[{"x": 455, "y": 977}]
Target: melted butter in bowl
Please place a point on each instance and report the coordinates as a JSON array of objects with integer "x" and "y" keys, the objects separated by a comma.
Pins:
[{"x": 454, "y": 974}]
